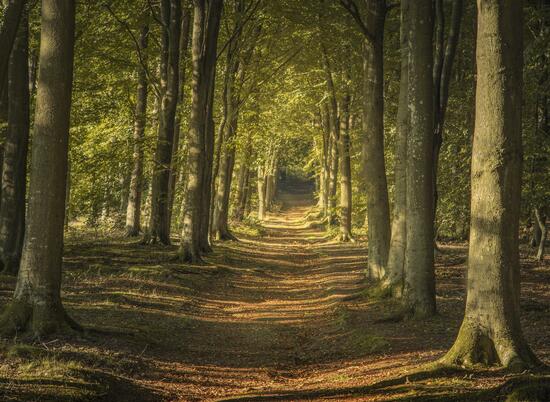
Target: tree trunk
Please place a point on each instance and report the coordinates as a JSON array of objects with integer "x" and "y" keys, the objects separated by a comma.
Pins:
[
  {"x": 133, "y": 212},
  {"x": 325, "y": 160},
  {"x": 372, "y": 152},
  {"x": 196, "y": 206},
  {"x": 261, "y": 194},
  {"x": 159, "y": 226},
  {"x": 393, "y": 281},
  {"x": 14, "y": 172},
  {"x": 8, "y": 31},
  {"x": 491, "y": 331},
  {"x": 177, "y": 157},
  {"x": 211, "y": 42},
  {"x": 444, "y": 58},
  {"x": 243, "y": 187},
  {"x": 345, "y": 172},
  {"x": 419, "y": 256},
  {"x": 334, "y": 126},
  {"x": 541, "y": 223},
  {"x": 37, "y": 300}
]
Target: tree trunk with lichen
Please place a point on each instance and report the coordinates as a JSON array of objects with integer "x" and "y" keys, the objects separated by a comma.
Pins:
[
  {"x": 491, "y": 330},
  {"x": 36, "y": 305},
  {"x": 14, "y": 172},
  {"x": 419, "y": 287}
]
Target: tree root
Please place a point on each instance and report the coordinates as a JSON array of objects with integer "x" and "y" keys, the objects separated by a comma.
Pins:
[
  {"x": 40, "y": 320},
  {"x": 474, "y": 347}
]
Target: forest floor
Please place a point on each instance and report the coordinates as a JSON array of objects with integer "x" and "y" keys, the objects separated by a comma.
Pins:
[{"x": 282, "y": 314}]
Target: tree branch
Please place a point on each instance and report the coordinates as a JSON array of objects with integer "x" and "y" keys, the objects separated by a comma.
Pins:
[{"x": 353, "y": 10}]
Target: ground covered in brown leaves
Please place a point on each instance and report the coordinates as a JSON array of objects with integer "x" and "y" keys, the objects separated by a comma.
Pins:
[{"x": 282, "y": 314}]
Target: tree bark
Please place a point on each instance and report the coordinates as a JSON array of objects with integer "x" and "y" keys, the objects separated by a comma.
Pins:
[
  {"x": 159, "y": 226},
  {"x": 393, "y": 281},
  {"x": 37, "y": 300},
  {"x": 206, "y": 24},
  {"x": 8, "y": 31},
  {"x": 372, "y": 152},
  {"x": 133, "y": 211},
  {"x": 491, "y": 330},
  {"x": 14, "y": 172},
  {"x": 419, "y": 256}
]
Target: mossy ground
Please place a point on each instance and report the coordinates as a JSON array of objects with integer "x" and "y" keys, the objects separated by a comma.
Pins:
[{"x": 283, "y": 314}]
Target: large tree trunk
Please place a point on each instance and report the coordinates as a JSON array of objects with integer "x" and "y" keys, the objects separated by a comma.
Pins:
[
  {"x": 197, "y": 199},
  {"x": 14, "y": 172},
  {"x": 393, "y": 281},
  {"x": 491, "y": 331},
  {"x": 372, "y": 153},
  {"x": 419, "y": 255},
  {"x": 133, "y": 211},
  {"x": 159, "y": 226},
  {"x": 8, "y": 31},
  {"x": 37, "y": 300},
  {"x": 345, "y": 172}
]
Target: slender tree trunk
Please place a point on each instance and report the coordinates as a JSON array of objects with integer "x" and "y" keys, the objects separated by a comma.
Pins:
[
  {"x": 325, "y": 162},
  {"x": 372, "y": 153},
  {"x": 444, "y": 58},
  {"x": 393, "y": 281},
  {"x": 133, "y": 212},
  {"x": 211, "y": 42},
  {"x": 8, "y": 31},
  {"x": 261, "y": 194},
  {"x": 419, "y": 255},
  {"x": 37, "y": 300},
  {"x": 491, "y": 331},
  {"x": 345, "y": 172},
  {"x": 243, "y": 173},
  {"x": 243, "y": 187},
  {"x": 177, "y": 157},
  {"x": 334, "y": 125},
  {"x": 14, "y": 173},
  {"x": 541, "y": 223},
  {"x": 159, "y": 226},
  {"x": 196, "y": 206}
]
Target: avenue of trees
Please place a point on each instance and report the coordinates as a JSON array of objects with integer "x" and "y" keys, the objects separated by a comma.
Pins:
[{"x": 420, "y": 121}]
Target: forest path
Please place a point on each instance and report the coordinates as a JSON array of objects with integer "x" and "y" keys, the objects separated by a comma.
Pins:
[{"x": 275, "y": 307}]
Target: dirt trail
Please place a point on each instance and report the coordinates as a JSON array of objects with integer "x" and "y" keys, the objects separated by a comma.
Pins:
[{"x": 276, "y": 308}]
